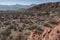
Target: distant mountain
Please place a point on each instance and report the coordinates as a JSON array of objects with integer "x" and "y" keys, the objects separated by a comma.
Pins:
[
  {"x": 46, "y": 7},
  {"x": 15, "y": 7}
]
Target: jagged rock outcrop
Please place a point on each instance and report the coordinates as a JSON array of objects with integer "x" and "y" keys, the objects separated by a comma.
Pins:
[{"x": 48, "y": 34}]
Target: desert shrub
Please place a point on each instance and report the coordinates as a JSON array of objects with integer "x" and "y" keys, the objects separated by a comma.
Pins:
[
  {"x": 47, "y": 25},
  {"x": 32, "y": 26},
  {"x": 39, "y": 31},
  {"x": 6, "y": 23},
  {"x": 5, "y": 34},
  {"x": 52, "y": 22},
  {"x": 13, "y": 27},
  {"x": 18, "y": 36},
  {"x": 21, "y": 29},
  {"x": 15, "y": 17},
  {"x": 0, "y": 34}
]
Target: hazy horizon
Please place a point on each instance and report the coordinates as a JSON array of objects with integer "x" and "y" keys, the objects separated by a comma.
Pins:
[{"x": 25, "y": 2}]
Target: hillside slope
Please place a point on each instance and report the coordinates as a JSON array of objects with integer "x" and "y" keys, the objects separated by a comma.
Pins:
[
  {"x": 18, "y": 25},
  {"x": 47, "y": 6},
  {"x": 48, "y": 34}
]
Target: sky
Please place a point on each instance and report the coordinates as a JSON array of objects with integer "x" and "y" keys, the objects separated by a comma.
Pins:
[{"x": 25, "y": 2}]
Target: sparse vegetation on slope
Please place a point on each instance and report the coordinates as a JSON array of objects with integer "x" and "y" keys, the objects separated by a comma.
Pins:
[{"x": 36, "y": 18}]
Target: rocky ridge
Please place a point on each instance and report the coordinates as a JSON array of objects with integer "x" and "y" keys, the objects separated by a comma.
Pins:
[{"x": 48, "y": 34}]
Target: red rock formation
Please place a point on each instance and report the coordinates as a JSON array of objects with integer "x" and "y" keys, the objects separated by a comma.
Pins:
[
  {"x": 48, "y": 34},
  {"x": 33, "y": 36}
]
